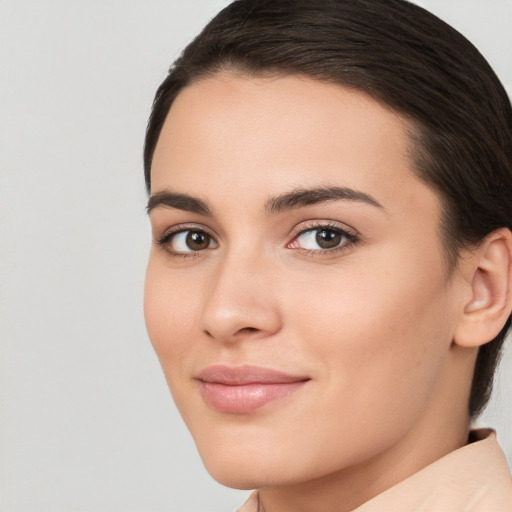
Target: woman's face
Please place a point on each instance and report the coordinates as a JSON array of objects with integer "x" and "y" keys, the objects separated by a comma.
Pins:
[{"x": 297, "y": 292}]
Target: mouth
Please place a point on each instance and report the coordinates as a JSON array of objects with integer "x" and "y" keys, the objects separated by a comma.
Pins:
[{"x": 243, "y": 389}]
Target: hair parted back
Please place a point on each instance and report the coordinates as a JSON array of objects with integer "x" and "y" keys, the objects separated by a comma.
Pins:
[{"x": 405, "y": 58}]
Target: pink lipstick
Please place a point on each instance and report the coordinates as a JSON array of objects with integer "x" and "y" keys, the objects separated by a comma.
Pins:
[{"x": 243, "y": 389}]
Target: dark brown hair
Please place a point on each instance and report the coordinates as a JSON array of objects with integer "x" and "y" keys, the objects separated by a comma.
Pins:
[{"x": 405, "y": 58}]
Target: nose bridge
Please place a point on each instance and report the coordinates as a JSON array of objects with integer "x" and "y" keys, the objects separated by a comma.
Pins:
[{"x": 241, "y": 299}]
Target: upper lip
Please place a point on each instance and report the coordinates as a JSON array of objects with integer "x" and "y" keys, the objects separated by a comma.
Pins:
[{"x": 246, "y": 374}]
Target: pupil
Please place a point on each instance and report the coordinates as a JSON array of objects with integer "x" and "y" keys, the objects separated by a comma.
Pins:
[
  {"x": 197, "y": 241},
  {"x": 327, "y": 239}
]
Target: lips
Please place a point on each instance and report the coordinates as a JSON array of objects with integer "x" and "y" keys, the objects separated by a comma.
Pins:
[{"x": 243, "y": 389}]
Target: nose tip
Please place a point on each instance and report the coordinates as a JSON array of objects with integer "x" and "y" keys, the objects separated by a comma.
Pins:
[
  {"x": 241, "y": 308},
  {"x": 231, "y": 320}
]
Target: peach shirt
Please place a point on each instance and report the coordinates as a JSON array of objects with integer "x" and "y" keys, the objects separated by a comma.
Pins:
[{"x": 474, "y": 478}]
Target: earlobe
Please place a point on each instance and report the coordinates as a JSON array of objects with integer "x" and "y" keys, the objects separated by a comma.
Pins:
[{"x": 490, "y": 302}]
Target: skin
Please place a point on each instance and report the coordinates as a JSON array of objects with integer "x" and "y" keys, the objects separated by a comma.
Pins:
[{"x": 371, "y": 324}]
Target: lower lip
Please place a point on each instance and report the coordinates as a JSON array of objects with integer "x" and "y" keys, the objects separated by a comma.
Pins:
[{"x": 240, "y": 399}]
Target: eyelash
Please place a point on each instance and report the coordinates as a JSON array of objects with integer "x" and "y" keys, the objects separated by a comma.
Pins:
[{"x": 350, "y": 239}]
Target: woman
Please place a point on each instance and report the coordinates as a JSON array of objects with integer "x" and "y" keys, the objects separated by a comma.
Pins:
[{"x": 330, "y": 281}]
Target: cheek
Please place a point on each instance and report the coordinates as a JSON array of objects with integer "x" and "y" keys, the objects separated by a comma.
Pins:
[
  {"x": 381, "y": 337},
  {"x": 169, "y": 314}
]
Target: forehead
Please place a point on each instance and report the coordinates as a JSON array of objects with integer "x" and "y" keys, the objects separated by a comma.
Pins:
[{"x": 231, "y": 135}]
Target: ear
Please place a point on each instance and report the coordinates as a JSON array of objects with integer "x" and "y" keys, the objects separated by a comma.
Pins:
[{"x": 489, "y": 302}]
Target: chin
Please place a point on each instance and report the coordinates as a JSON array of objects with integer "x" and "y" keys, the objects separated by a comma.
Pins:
[
  {"x": 244, "y": 477},
  {"x": 243, "y": 463},
  {"x": 228, "y": 478},
  {"x": 236, "y": 466},
  {"x": 252, "y": 465}
]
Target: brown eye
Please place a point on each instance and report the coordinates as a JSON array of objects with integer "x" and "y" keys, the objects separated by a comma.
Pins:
[
  {"x": 197, "y": 240},
  {"x": 189, "y": 241},
  {"x": 328, "y": 239},
  {"x": 323, "y": 238}
]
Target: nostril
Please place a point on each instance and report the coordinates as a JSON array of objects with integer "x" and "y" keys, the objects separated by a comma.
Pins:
[
  {"x": 243, "y": 330},
  {"x": 248, "y": 329}
]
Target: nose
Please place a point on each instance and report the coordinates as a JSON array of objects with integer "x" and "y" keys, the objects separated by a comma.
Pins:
[{"x": 242, "y": 301}]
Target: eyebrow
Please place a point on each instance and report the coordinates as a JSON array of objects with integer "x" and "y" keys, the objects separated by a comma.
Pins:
[
  {"x": 179, "y": 201},
  {"x": 297, "y": 198},
  {"x": 301, "y": 197}
]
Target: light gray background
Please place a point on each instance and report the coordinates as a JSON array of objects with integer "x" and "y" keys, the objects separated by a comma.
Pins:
[{"x": 86, "y": 421}]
